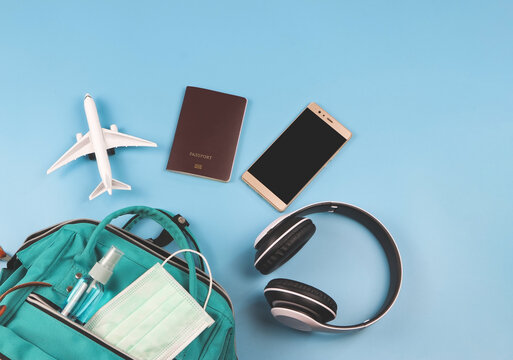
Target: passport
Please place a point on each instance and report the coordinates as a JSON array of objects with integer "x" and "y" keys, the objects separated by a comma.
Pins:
[{"x": 207, "y": 134}]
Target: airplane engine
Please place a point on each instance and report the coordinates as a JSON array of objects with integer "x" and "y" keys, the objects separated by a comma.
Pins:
[
  {"x": 114, "y": 128},
  {"x": 78, "y": 136}
]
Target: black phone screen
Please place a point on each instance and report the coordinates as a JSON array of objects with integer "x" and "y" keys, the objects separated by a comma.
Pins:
[{"x": 297, "y": 155}]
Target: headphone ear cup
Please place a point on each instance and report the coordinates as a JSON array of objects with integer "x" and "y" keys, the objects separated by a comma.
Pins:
[
  {"x": 282, "y": 243},
  {"x": 297, "y": 296}
]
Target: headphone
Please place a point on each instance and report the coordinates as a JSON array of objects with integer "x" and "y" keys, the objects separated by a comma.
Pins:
[{"x": 304, "y": 307}]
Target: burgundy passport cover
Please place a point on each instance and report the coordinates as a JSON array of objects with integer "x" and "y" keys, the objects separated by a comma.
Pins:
[{"x": 207, "y": 134}]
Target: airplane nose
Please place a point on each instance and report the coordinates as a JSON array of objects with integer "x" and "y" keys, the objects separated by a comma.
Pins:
[{"x": 87, "y": 95}]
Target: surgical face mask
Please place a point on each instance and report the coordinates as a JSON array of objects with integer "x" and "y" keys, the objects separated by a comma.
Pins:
[{"x": 154, "y": 318}]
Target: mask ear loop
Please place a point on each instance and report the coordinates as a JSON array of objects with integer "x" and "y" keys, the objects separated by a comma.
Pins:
[{"x": 206, "y": 263}]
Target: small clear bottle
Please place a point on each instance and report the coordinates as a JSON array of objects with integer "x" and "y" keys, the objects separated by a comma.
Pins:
[{"x": 82, "y": 302}]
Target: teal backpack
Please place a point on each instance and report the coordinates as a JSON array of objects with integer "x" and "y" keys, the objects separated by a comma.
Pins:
[{"x": 31, "y": 326}]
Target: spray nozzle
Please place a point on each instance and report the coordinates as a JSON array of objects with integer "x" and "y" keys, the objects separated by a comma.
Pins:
[{"x": 102, "y": 270}]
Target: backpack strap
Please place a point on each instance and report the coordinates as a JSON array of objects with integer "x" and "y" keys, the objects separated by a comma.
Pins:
[
  {"x": 155, "y": 215},
  {"x": 164, "y": 238}
]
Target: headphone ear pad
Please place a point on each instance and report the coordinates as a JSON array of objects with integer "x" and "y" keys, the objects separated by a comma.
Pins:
[
  {"x": 298, "y": 296},
  {"x": 282, "y": 243}
]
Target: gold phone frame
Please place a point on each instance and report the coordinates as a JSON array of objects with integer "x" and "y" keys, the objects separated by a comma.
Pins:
[{"x": 267, "y": 194}]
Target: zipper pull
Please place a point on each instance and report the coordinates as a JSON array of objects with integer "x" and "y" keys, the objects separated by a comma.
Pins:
[
  {"x": 3, "y": 255},
  {"x": 17, "y": 287}
]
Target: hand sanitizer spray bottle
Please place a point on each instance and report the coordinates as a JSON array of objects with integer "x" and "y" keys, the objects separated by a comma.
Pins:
[{"x": 83, "y": 300}]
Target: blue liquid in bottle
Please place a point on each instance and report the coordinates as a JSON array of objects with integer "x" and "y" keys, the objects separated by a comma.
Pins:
[{"x": 83, "y": 300}]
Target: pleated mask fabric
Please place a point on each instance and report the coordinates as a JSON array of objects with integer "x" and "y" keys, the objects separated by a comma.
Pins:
[{"x": 154, "y": 318}]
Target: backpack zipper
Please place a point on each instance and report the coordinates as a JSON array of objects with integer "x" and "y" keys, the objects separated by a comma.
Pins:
[
  {"x": 49, "y": 308},
  {"x": 137, "y": 241}
]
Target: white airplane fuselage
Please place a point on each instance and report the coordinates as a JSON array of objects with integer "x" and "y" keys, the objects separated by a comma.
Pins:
[{"x": 98, "y": 142}]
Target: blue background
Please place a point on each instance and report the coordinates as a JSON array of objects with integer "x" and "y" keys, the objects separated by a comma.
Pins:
[{"x": 425, "y": 87}]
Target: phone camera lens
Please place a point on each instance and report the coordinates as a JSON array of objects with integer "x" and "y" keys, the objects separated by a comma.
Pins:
[{"x": 319, "y": 111}]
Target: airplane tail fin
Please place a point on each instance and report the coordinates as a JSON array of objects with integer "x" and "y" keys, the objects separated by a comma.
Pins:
[
  {"x": 116, "y": 185},
  {"x": 100, "y": 189}
]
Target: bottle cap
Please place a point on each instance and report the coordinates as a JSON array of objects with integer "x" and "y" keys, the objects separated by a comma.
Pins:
[{"x": 102, "y": 270}]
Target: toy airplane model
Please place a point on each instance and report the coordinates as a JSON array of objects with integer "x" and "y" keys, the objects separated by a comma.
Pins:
[{"x": 98, "y": 142}]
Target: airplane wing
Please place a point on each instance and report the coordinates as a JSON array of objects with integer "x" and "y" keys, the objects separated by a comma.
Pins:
[
  {"x": 115, "y": 139},
  {"x": 81, "y": 148}
]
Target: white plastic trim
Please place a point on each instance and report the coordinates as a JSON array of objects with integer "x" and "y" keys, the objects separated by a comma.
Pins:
[
  {"x": 304, "y": 297},
  {"x": 277, "y": 240}
]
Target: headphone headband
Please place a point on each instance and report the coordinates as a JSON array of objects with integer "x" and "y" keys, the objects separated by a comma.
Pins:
[{"x": 380, "y": 233}]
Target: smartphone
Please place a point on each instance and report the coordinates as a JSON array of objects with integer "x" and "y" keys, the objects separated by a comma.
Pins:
[{"x": 296, "y": 156}]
